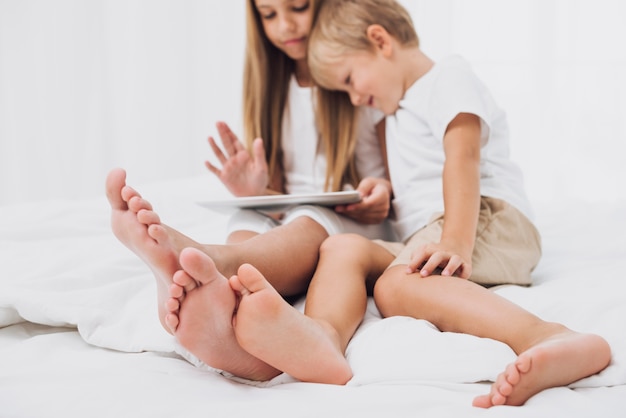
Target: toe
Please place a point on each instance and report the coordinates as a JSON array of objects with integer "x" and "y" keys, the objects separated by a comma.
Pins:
[
  {"x": 482, "y": 401},
  {"x": 148, "y": 217},
  {"x": 183, "y": 282},
  {"x": 115, "y": 181},
  {"x": 176, "y": 291},
  {"x": 198, "y": 265},
  {"x": 172, "y": 321},
  {"x": 252, "y": 279}
]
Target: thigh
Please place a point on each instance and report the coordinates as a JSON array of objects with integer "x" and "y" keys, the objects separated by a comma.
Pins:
[
  {"x": 250, "y": 220},
  {"x": 335, "y": 223}
]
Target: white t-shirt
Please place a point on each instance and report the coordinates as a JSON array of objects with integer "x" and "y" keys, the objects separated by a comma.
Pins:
[
  {"x": 415, "y": 144},
  {"x": 305, "y": 167}
]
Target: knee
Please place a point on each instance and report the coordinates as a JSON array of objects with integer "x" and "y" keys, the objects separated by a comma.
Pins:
[
  {"x": 345, "y": 244},
  {"x": 387, "y": 291},
  {"x": 307, "y": 225}
]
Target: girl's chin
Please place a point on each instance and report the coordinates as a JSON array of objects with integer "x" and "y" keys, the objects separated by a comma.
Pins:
[{"x": 295, "y": 52}]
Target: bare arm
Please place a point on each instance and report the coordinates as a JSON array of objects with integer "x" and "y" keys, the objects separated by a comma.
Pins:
[{"x": 461, "y": 194}]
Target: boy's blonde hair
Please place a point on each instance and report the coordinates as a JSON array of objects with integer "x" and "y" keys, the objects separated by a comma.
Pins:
[
  {"x": 342, "y": 29},
  {"x": 267, "y": 71}
]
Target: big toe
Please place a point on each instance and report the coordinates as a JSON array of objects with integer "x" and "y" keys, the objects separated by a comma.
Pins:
[
  {"x": 252, "y": 278},
  {"x": 482, "y": 401},
  {"x": 116, "y": 180},
  {"x": 198, "y": 265}
]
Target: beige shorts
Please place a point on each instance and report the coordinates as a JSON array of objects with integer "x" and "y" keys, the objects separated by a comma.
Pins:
[{"x": 506, "y": 250}]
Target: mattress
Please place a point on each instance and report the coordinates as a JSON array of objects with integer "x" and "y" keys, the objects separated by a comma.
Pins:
[{"x": 80, "y": 336}]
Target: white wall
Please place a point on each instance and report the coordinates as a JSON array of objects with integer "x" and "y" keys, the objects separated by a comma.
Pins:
[
  {"x": 86, "y": 85},
  {"x": 559, "y": 69}
]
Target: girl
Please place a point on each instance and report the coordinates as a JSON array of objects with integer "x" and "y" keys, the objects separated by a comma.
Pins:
[
  {"x": 293, "y": 156},
  {"x": 282, "y": 114}
]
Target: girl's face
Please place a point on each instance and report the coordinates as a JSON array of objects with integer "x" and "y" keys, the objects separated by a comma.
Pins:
[
  {"x": 369, "y": 79},
  {"x": 287, "y": 24}
]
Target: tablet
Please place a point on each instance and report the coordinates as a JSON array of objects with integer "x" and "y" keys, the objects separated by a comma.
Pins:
[{"x": 283, "y": 201}]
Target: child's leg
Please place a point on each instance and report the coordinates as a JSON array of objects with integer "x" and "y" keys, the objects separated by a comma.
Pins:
[
  {"x": 310, "y": 347},
  {"x": 292, "y": 248},
  {"x": 237, "y": 237},
  {"x": 286, "y": 255},
  {"x": 348, "y": 268},
  {"x": 549, "y": 353}
]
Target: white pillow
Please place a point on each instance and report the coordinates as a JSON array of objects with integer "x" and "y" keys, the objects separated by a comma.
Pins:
[{"x": 405, "y": 349}]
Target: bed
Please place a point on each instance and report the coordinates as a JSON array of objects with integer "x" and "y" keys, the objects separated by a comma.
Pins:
[{"x": 80, "y": 336}]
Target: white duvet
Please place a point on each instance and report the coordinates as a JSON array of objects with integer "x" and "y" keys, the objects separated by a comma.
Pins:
[{"x": 62, "y": 267}]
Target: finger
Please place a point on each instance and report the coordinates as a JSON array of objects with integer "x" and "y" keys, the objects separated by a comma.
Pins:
[
  {"x": 354, "y": 208},
  {"x": 229, "y": 139},
  {"x": 366, "y": 186},
  {"x": 465, "y": 271},
  {"x": 375, "y": 216},
  {"x": 356, "y": 211},
  {"x": 217, "y": 151},
  {"x": 213, "y": 169},
  {"x": 370, "y": 202},
  {"x": 433, "y": 262},
  {"x": 376, "y": 203},
  {"x": 453, "y": 266},
  {"x": 413, "y": 266},
  {"x": 417, "y": 261},
  {"x": 258, "y": 153}
]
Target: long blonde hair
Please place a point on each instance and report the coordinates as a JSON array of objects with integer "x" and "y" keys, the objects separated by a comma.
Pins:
[
  {"x": 342, "y": 29},
  {"x": 267, "y": 72}
]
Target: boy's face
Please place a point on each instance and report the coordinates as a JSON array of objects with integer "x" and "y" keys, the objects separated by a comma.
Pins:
[
  {"x": 287, "y": 24},
  {"x": 369, "y": 79}
]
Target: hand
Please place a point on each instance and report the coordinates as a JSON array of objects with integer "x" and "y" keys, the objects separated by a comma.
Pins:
[
  {"x": 375, "y": 202},
  {"x": 243, "y": 174},
  {"x": 439, "y": 255}
]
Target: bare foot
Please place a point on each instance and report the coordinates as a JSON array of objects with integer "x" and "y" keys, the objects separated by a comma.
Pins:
[
  {"x": 272, "y": 330},
  {"x": 139, "y": 228},
  {"x": 204, "y": 322},
  {"x": 557, "y": 361}
]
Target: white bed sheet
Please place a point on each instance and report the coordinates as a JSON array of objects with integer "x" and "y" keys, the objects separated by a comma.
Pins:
[{"x": 80, "y": 334}]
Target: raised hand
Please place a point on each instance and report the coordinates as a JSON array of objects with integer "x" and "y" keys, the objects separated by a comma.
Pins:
[{"x": 242, "y": 174}]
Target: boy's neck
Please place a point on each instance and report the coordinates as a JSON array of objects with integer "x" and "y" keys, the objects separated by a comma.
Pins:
[{"x": 416, "y": 65}]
